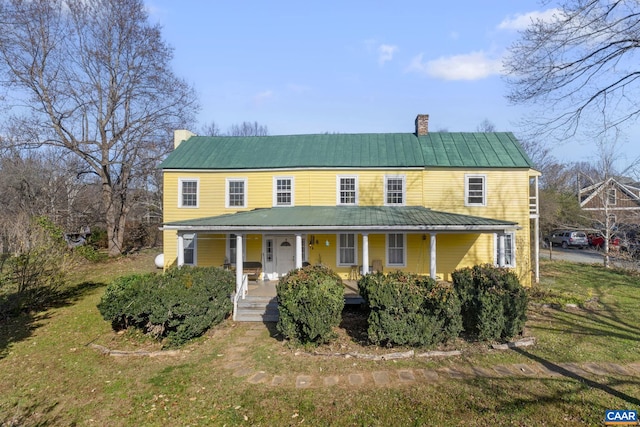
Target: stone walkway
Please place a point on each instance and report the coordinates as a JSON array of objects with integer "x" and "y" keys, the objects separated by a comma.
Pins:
[{"x": 401, "y": 377}]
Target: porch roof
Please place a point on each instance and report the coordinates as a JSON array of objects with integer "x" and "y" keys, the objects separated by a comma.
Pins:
[{"x": 343, "y": 218}]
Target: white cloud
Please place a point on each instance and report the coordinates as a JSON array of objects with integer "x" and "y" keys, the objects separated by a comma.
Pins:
[
  {"x": 263, "y": 97},
  {"x": 385, "y": 53},
  {"x": 522, "y": 21},
  {"x": 472, "y": 66}
]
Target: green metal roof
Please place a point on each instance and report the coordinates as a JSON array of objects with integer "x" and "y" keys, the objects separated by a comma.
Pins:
[
  {"x": 336, "y": 218},
  {"x": 371, "y": 150}
]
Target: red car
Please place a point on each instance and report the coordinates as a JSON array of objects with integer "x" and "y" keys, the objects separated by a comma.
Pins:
[{"x": 596, "y": 240}]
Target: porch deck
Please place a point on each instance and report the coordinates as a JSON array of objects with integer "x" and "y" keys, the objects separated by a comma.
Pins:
[{"x": 268, "y": 289}]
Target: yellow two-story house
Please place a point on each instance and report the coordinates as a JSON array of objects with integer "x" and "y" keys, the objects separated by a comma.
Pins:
[{"x": 423, "y": 202}]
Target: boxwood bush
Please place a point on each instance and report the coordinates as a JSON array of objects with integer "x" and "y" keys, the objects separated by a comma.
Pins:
[
  {"x": 494, "y": 303},
  {"x": 176, "y": 306},
  {"x": 407, "y": 309},
  {"x": 310, "y": 301}
]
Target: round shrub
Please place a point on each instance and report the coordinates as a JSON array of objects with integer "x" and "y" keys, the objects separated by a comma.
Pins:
[
  {"x": 494, "y": 303},
  {"x": 310, "y": 301},
  {"x": 407, "y": 309},
  {"x": 178, "y": 305}
]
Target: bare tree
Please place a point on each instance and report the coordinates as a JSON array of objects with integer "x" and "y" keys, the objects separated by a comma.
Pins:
[
  {"x": 211, "y": 129},
  {"x": 579, "y": 65},
  {"x": 248, "y": 129},
  {"x": 93, "y": 77},
  {"x": 486, "y": 126}
]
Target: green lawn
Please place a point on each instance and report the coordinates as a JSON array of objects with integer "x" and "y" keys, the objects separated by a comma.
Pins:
[{"x": 50, "y": 374}]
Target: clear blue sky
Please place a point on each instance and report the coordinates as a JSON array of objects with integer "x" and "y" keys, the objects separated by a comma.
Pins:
[{"x": 350, "y": 66}]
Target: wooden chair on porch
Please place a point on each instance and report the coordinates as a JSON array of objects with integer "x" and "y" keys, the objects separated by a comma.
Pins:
[{"x": 376, "y": 266}]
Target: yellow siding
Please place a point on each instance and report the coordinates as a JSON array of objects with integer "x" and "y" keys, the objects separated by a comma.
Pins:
[{"x": 507, "y": 195}]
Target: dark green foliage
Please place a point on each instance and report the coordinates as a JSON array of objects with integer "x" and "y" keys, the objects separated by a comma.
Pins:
[
  {"x": 178, "y": 305},
  {"x": 494, "y": 303},
  {"x": 310, "y": 301},
  {"x": 407, "y": 309}
]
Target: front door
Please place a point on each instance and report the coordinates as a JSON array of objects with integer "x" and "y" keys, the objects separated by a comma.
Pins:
[{"x": 285, "y": 252}]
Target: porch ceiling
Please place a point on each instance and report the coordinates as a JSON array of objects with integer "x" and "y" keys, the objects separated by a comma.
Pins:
[{"x": 343, "y": 218}]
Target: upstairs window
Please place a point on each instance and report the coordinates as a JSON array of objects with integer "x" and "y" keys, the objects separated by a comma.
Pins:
[
  {"x": 475, "y": 190},
  {"x": 394, "y": 190},
  {"x": 282, "y": 191},
  {"x": 611, "y": 196},
  {"x": 347, "y": 190},
  {"x": 236, "y": 193},
  {"x": 188, "y": 197}
]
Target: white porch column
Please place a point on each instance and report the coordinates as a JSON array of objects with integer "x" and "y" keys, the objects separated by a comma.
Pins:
[
  {"x": 239, "y": 261},
  {"x": 365, "y": 254},
  {"x": 501, "y": 260},
  {"x": 432, "y": 255},
  {"x": 180, "y": 249},
  {"x": 298, "y": 250}
]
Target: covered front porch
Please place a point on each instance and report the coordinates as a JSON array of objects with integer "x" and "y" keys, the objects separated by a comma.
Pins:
[{"x": 352, "y": 240}]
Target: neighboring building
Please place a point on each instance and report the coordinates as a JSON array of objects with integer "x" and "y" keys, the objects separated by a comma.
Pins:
[
  {"x": 424, "y": 202},
  {"x": 617, "y": 197}
]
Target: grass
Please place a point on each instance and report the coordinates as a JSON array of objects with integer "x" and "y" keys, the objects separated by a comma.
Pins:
[{"x": 49, "y": 374}]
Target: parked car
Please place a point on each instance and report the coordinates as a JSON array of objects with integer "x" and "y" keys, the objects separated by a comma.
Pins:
[
  {"x": 596, "y": 240},
  {"x": 567, "y": 238}
]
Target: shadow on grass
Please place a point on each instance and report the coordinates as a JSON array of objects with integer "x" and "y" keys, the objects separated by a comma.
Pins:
[
  {"x": 554, "y": 367},
  {"x": 35, "y": 414},
  {"x": 19, "y": 327}
]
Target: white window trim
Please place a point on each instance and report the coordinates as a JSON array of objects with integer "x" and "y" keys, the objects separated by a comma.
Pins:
[
  {"x": 615, "y": 197},
  {"x": 180, "y": 182},
  {"x": 194, "y": 237},
  {"x": 338, "y": 178},
  {"x": 404, "y": 251},
  {"x": 404, "y": 190},
  {"x": 509, "y": 263},
  {"x": 227, "y": 252},
  {"x": 355, "y": 250},
  {"x": 275, "y": 190},
  {"x": 484, "y": 189},
  {"x": 226, "y": 193}
]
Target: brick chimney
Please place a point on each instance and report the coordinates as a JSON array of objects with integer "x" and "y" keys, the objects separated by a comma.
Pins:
[{"x": 422, "y": 124}]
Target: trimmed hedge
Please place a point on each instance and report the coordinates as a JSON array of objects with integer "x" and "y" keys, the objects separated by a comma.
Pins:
[
  {"x": 494, "y": 303},
  {"x": 310, "y": 301},
  {"x": 407, "y": 309},
  {"x": 177, "y": 306}
]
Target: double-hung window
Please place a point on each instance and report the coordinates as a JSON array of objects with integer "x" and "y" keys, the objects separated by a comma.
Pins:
[
  {"x": 282, "y": 191},
  {"x": 236, "y": 193},
  {"x": 232, "y": 245},
  {"x": 347, "y": 249},
  {"x": 394, "y": 190},
  {"x": 475, "y": 187},
  {"x": 509, "y": 250},
  {"x": 189, "y": 249},
  {"x": 396, "y": 250},
  {"x": 188, "y": 189},
  {"x": 611, "y": 196},
  {"x": 347, "y": 190}
]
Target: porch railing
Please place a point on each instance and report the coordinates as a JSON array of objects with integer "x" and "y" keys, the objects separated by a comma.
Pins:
[
  {"x": 533, "y": 205},
  {"x": 241, "y": 292}
]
